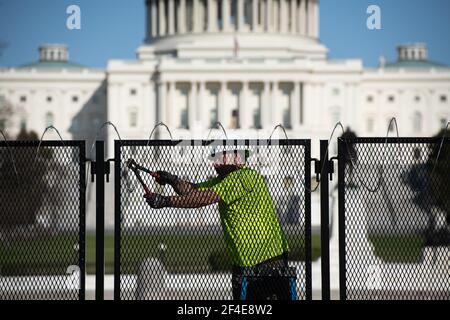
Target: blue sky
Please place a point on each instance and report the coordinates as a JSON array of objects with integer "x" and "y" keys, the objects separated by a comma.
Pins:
[{"x": 115, "y": 28}]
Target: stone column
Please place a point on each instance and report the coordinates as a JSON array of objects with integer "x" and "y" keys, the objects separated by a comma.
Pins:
[
  {"x": 240, "y": 15},
  {"x": 295, "y": 106},
  {"x": 307, "y": 105},
  {"x": 283, "y": 16},
  {"x": 154, "y": 15},
  {"x": 310, "y": 15},
  {"x": 221, "y": 112},
  {"x": 196, "y": 16},
  {"x": 201, "y": 16},
  {"x": 161, "y": 105},
  {"x": 171, "y": 17},
  {"x": 182, "y": 17},
  {"x": 274, "y": 111},
  {"x": 243, "y": 109},
  {"x": 255, "y": 15},
  {"x": 302, "y": 20},
  {"x": 192, "y": 105},
  {"x": 293, "y": 12},
  {"x": 316, "y": 19},
  {"x": 200, "y": 112},
  {"x": 265, "y": 105},
  {"x": 225, "y": 15},
  {"x": 262, "y": 9},
  {"x": 212, "y": 15},
  {"x": 170, "y": 104},
  {"x": 269, "y": 14},
  {"x": 162, "y": 18},
  {"x": 276, "y": 12},
  {"x": 301, "y": 116}
]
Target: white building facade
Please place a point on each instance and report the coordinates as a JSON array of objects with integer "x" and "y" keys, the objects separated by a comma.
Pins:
[{"x": 249, "y": 64}]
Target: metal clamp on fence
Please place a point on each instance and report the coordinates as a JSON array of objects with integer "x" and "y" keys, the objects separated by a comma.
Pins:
[
  {"x": 106, "y": 167},
  {"x": 318, "y": 167},
  {"x": 331, "y": 166}
]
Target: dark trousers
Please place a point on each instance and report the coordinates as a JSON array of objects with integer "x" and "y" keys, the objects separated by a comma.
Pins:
[{"x": 260, "y": 288}]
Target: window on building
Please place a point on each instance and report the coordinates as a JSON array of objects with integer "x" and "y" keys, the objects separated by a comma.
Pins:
[
  {"x": 184, "y": 121},
  {"x": 213, "y": 117},
  {"x": 417, "y": 98},
  {"x": 23, "y": 98},
  {"x": 443, "y": 122},
  {"x": 23, "y": 125},
  {"x": 133, "y": 92},
  {"x": 49, "y": 119},
  {"x": 370, "y": 125},
  {"x": 247, "y": 11},
  {"x": 49, "y": 99},
  {"x": 287, "y": 118},
  {"x": 335, "y": 91},
  {"x": 391, "y": 99},
  {"x": 219, "y": 13},
  {"x": 257, "y": 118},
  {"x": 443, "y": 98},
  {"x": 369, "y": 99},
  {"x": 74, "y": 98},
  {"x": 133, "y": 118},
  {"x": 233, "y": 12},
  {"x": 335, "y": 116},
  {"x": 417, "y": 122},
  {"x": 189, "y": 16},
  {"x": 235, "y": 119}
]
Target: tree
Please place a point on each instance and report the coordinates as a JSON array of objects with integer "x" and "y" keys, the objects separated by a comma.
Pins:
[
  {"x": 21, "y": 196},
  {"x": 350, "y": 155},
  {"x": 440, "y": 173}
]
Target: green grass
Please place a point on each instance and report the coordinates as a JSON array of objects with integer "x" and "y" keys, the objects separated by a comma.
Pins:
[
  {"x": 185, "y": 253},
  {"x": 398, "y": 249}
]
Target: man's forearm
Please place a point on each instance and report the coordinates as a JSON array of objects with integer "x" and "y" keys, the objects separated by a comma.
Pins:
[{"x": 182, "y": 187}]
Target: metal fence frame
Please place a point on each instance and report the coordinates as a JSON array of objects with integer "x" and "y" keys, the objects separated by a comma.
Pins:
[
  {"x": 80, "y": 144},
  {"x": 247, "y": 142},
  {"x": 341, "y": 192}
]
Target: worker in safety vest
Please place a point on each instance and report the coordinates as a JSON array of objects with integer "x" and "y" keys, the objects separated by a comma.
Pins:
[{"x": 252, "y": 231}]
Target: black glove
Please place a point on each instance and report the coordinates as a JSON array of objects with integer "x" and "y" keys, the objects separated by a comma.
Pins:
[
  {"x": 166, "y": 177},
  {"x": 157, "y": 201}
]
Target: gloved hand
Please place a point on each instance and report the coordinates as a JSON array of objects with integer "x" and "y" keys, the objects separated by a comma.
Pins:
[
  {"x": 157, "y": 201},
  {"x": 166, "y": 177}
]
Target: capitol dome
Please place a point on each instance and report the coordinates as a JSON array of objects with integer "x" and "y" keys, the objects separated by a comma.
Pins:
[{"x": 221, "y": 28}]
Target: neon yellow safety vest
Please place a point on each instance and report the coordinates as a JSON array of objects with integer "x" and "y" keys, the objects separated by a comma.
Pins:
[{"x": 251, "y": 227}]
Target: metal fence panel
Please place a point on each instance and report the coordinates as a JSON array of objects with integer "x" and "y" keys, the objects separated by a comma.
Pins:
[
  {"x": 42, "y": 220},
  {"x": 394, "y": 218},
  {"x": 180, "y": 253}
]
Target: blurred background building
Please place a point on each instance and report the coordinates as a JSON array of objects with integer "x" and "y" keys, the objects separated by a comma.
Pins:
[{"x": 250, "y": 64}]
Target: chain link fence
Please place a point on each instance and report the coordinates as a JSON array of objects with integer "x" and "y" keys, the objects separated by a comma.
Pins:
[
  {"x": 42, "y": 220},
  {"x": 173, "y": 253},
  {"x": 394, "y": 216}
]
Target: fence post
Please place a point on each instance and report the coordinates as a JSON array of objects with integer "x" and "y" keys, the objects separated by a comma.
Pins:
[
  {"x": 341, "y": 213},
  {"x": 117, "y": 218},
  {"x": 324, "y": 220},
  {"x": 308, "y": 255},
  {"x": 100, "y": 219}
]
